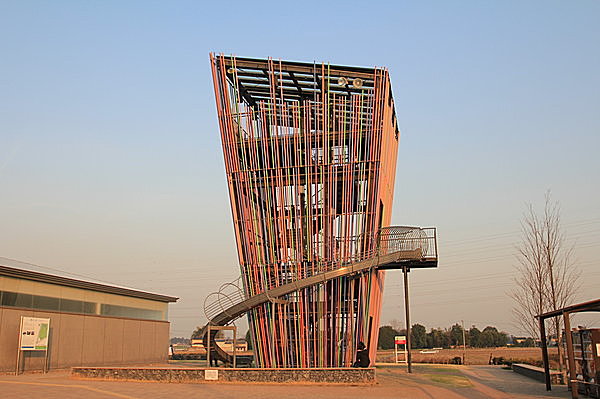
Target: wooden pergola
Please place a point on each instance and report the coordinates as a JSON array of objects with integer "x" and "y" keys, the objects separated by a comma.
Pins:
[{"x": 591, "y": 306}]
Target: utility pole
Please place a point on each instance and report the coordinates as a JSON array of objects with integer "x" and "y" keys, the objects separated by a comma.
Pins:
[
  {"x": 405, "y": 270},
  {"x": 464, "y": 342}
]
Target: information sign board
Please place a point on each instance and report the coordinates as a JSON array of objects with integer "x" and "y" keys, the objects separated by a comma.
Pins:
[
  {"x": 211, "y": 375},
  {"x": 34, "y": 334},
  {"x": 400, "y": 339}
]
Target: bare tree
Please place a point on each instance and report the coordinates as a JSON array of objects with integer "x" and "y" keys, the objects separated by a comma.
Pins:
[
  {"x": 547, "y": 278},
  {"x": 529, "y": 293}
]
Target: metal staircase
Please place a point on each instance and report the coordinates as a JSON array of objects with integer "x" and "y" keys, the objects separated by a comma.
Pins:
[{"x": 399, "y": 247}]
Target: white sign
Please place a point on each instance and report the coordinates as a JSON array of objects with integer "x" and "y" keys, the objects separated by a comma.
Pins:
[
  {"x": 212, "y": 375},
  {"x": 398, "y": 341},
  {"x": 34, "y": 334}
]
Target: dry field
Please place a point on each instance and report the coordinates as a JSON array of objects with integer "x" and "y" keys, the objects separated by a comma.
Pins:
[{"x": 474, "y": 356}]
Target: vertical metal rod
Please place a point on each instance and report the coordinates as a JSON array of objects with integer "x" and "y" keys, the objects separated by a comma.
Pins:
[
  {"x": 407, "y": 317},
  {"x": 18, "y": 360},
  {"x": 545, "y": 353},
  {"x": 46, "y": 361},
  {"x": 571, "y": 354},
  {"x": 19, "y": 348}
]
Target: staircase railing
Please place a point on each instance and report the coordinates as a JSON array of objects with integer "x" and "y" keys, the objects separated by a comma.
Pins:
[{"x": 421, "y": 241}]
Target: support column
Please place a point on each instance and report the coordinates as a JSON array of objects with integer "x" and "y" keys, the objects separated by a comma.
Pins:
[
  {"x": 571, "y": 354},
  {"x": 405, "y": 270},
  {"x": 208, "y": 349},
  {"x": 545, "y": 353},
  {"x": 234, "y": 344}
]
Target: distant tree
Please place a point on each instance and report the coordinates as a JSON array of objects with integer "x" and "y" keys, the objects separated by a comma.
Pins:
[
  {"x": 501, "y": 339},
  {"x": 487, "y": 339},
  {"x": 180, "y": 340},
  {"x": 524, "y": 342},
  {"x": 456, "y": 335},
  {"x": 418, "y": 336},
  {"x": 196, "y": 333},
  {"x": 547, "y": 278},
  {"x": 386, "y": 337},
  {"x": 444, "y": 338},
  {"x": 473, "y": 337},
  {"x": 491, "y": 337},
  {"x": 438, "y": 338}
]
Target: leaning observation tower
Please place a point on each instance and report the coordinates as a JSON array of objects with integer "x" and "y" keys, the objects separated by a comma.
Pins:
[{"x": 310, "y": 156}]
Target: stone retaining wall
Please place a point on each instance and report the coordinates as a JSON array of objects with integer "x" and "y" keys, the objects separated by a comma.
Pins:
[{"x": 348, "y": 376}]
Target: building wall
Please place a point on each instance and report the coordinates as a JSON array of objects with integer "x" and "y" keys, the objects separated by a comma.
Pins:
[
  {"x": 102, "y": 302},
  {"x": 84, "y": 340}
]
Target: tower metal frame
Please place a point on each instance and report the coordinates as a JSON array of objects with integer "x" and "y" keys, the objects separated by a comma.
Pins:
[{"x": 310, "y": 157}]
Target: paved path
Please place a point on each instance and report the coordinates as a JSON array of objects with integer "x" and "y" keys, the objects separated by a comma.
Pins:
[
  {"x": 512, "y": 384},
  {"x": 428, "y": 382}
]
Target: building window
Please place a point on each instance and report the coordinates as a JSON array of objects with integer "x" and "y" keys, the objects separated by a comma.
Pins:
[
  {"x": 18, "y": 300},
  {"x": 38, "y": 302},
  {"x": 69, "y": 305},
  {"x": 45, "y": 302},
  {"x": 134, "y": 313}
]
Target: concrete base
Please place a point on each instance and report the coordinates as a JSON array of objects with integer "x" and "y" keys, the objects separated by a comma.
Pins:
[
  {"x": 537, "y": 373},
  {"x": 348, "y": 376}
]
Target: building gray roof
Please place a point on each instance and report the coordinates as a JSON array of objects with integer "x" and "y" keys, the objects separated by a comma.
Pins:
[{"x": 28, "y": 271}]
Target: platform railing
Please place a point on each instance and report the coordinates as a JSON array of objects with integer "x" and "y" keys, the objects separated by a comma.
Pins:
[{"x": 422, "y": 241}]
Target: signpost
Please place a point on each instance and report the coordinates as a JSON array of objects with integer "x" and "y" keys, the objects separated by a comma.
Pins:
[
  {"x": 398, "y": 341},
  {"x": 33, "y": 336}
]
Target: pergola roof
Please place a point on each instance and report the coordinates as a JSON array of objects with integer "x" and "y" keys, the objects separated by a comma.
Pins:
[
  {"x": 590, "y": 306},
  {"x": 296, "y": 80}
]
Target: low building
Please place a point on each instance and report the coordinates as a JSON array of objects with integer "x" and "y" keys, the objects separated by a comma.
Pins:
[{"x": 91, "y": 323}]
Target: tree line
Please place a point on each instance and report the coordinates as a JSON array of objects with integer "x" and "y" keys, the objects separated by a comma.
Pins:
[{"x": 444, "y": 338}]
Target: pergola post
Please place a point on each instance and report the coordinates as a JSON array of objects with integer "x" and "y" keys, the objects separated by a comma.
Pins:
[
  {"x": 545, "y": 353},
  {"x": 571, "y": 354},
  {"x": 405, "y": 270}
]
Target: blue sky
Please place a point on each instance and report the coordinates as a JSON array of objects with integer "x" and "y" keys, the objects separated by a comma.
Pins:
[{"x": 110, "y": 157}]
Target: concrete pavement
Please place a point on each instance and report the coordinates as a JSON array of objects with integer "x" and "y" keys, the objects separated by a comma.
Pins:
[{"x": 428, "y": 381}]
